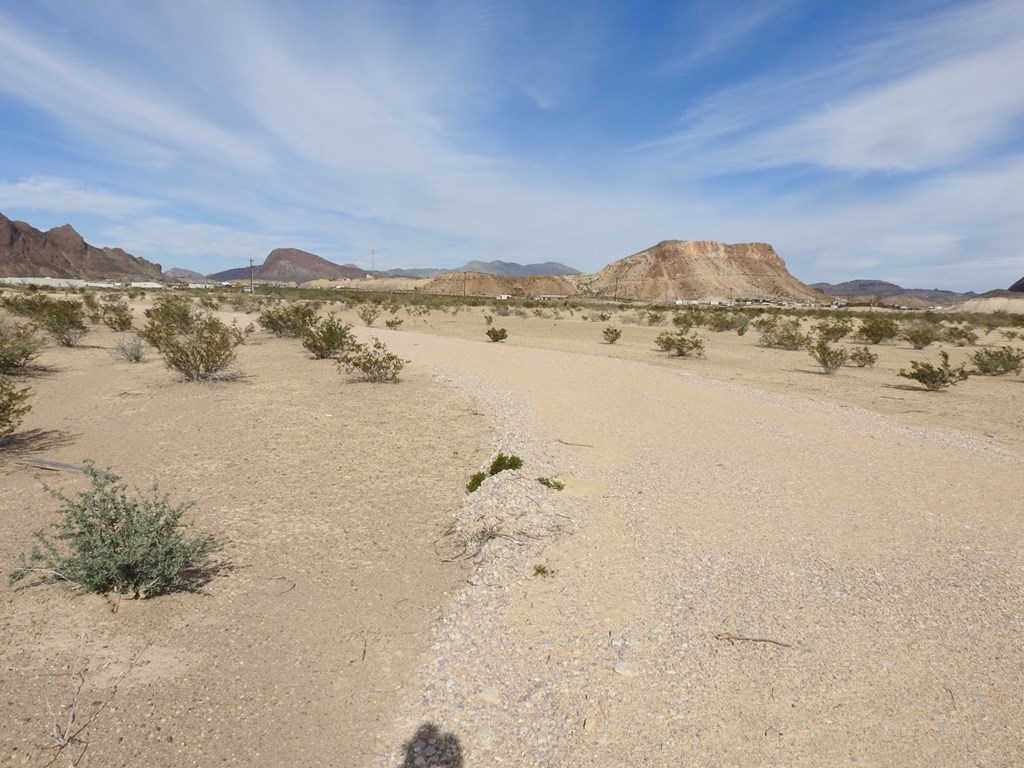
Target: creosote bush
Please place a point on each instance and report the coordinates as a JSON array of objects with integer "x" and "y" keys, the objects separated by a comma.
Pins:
[
  {"x": 327, "y": 337},
  {"x": 501, "y": 463},
  {"x": 862, "y": 357},
  {"x": 19, "y": 346},
  {"x": 935, "y": 377},
  {"x": 877, "y": 328},
  {"x": 555, "y": 485},
  {"x": 611, "y": 334},
  {"x": 830, "y": 358},
  {"x": 108, "y": 541},
  {"x": 779, "y": 332},
  {"x": 393, "y": 323},
  {"x": 117, "y": 316},
  {"x": 12, "y": 406},
  {"x": 497, "y": 334},
  {"x": 193, "y": 343},
  {"x": 833, "y": 329},
  {"x": 130, "y": 350},
  {"x": 368, "y": 313},
  {"x": 371, "y": 362},
  {"x": 920, "y": 333},
  {"x": 64, "y": 321},
  {"x": 680, "y": 345},
  {"x": 289, "y": 320},
  {"x": 997, "y": 362}
]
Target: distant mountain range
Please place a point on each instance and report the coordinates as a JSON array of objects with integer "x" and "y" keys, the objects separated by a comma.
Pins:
[{"x": 879, "y": 289}]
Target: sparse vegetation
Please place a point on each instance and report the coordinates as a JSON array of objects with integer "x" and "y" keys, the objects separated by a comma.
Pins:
[
  {"x": 13, "y": 406},
  {"x": 679, "y": 344},
  {"x": 497, "y": 334},
  {"x": 878, "y": 328},
  {"x": 830, "y": 358},
  {"x": 935, "y": 377},
  {"x": 64, "y": 321},
  {"x": 997, "y": 362},
  {"x": 107, "y": 541},
  {"x": 611, "y": 334},
  {"x": 368, "y": 313},
  {"x": 961, "y": 335},
  {"x": 371, "y": 362},
  {"x": 555, "y": 485},
  {"x": 288, "y": 320},
  {"x": 117, "y": 316},
  {"x": 833, "y": 329},
  {"x": 193, "y": 343},
  {"x": 919, "y": 334},
  {"x": 542, "y": 570},
  {"x": 19, "y": 346},
  {"x": 500, "y": 463},
  {"x": 393, "y": 323},
  {"x": 130, "y": 350},
  {"x": 862, "y": 357},
  {"x": 779, "y": 332},
  {"x": 325, "y": 337}
]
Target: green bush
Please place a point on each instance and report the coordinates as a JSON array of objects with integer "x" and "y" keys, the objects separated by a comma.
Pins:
[
  {"x": 32, "y": 306},
  {"x": 877, "y": 328},
  {"x": 326, "y": 337},
  {"x": 830, "y": 358},
  {"x": 832, "y": 330},
  {"x": 130, "y": 350},
  {"x": 611, "y": 334},
  {"x": 935, "y": 377},
  {"x": 679, "y": 344},
  {"x": 290, "y": 320},
  {"x": 555, "y": 485},
  {"x": 920, "y": 333},
  {"x": 395, "y": 323},
  {"x": 371, "y": 362},
  {"x": 193, "y": 343},
  {"x": 997, "y": 362},
  {"x": 497, "y": 334},
  {"x": 18, "y": 346},
  {"x": 779, "y": 332},
  {"x": 961, "y": 335},
  {"x": 863, "y": 357},
  {"x": 106, "y": 541},
  {"x": 368, "y": 313},
  {"x": 64, "y": 321},
  {"x": 117, "y": 316},
  {"x": 501, "y": 463},
  {"x": 12, "y": 406}
]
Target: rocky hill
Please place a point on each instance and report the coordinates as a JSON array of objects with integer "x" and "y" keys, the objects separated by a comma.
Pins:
[
  {"x": 291, "y": 265},
  {"x": 698, "y": 269},
  {"x": 62, "y": 253},
  {"x": 890, "y": 293},
  {"x": 480, "y": 284},
  {"x": 1017, "y": 287},
  {"x": 511, "y": 269}
]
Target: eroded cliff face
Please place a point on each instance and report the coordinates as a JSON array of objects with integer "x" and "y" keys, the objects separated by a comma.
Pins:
[{"x": 699, "y": 269}]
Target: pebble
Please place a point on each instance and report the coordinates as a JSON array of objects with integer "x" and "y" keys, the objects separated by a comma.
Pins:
[
  {"x": 490, "y": 696},
  {"x": 625, "y": 668}
]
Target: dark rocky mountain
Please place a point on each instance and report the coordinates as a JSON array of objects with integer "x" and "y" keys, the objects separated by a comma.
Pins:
[
  {"x": 510, "y": 269},
  {"x": 882, "y": 291},
  {"x": 291, "y": 265},
  {"x": 183, "y": 274},
  {"x": 1017, "y": 287},
  {"x": 416, "y": 274},
  {"x": 62, "y": 253}
]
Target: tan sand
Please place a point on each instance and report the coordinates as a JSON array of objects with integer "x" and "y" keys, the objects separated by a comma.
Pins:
[{"x": 757, "y": 564}]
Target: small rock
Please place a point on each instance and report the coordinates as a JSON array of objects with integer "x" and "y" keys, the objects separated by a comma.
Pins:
[
  {"x": 625, "y": 668},
  {"x": 490, "y": 696}
]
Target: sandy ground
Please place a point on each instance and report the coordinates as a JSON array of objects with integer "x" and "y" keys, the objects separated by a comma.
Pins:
[{"x": 761, "y": 565}]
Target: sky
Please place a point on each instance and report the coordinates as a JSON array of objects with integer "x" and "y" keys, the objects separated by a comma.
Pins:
[{"x": 879, "y": 139}]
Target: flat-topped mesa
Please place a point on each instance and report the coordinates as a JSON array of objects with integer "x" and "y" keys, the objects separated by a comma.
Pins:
[{"x": 701, "y": 269}]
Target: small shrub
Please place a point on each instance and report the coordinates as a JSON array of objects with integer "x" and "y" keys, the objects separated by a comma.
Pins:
[
  {"x": 107, "y": 541},
  {"x": 934, "y": 378},
  {"x": 920, "y": 334},
  {"x": 291, "y": 320},
  {"x": 542, "y": 570},
  {"x": 779, "y": 333},
  {"x": 326, "y": 337},
  {"x": 863, "y": 357},
  {"x": 117, "y": 316},
  {"x": 833, "y": 330},
  {"x": 195, "y": 344},
  {"x": 475, "y": 481},
  {"x": 393, "y": 324},
  {"x": 611, "y": 334},
  {"x": 18, "y": 346},
  {"x": 130, "y": 350},
  {"x": 961, "y": 335},
  {"x": 680, "y": 345},
  {"x": 555, "y": 485},
  {"x": 830, "y": 358},
  {"x": 488, "y": 320},
  {"x": 877, "y": 328},
  {"x": 12, "y": 406},
  {"x": 500, "y": 463},
  {"x": 65, "y": 322},
  {"x": 368, "y": 313},
  {"x": 371, "y": 362},
  {"x": 497, "y": 334},
  {"x": 997, "y": 362},
  {"x": 1010, "y": 335}
]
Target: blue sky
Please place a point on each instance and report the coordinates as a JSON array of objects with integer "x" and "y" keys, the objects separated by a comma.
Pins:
[{"x": 863, "y": 140}]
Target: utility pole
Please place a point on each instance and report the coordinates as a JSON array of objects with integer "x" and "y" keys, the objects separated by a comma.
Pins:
[
  {"x": 373, "y": 260},
  {"x": 250, "y": 276}
]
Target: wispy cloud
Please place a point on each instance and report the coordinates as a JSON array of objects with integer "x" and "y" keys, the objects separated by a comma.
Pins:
[{"x": 67, "y": 196}]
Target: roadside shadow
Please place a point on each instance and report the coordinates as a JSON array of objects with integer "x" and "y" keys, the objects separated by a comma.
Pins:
[
  {"x": 36, "y": 441},
  {"x": 430, "y": 747}
]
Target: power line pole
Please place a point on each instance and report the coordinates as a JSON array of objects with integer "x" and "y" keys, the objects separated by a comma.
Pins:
[{"x": 250, "y": 276}]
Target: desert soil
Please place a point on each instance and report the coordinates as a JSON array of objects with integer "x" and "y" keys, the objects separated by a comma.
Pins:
[{"x": 751, "y": 563}]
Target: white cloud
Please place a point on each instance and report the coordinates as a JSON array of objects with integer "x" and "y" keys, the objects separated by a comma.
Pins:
[{"x": 59, "y": 195}]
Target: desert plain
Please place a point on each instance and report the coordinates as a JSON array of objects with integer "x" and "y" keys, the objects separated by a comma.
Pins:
[{"x": 751, "y": 563}]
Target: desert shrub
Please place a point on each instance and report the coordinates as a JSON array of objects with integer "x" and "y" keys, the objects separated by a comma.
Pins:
[
  {"x": 863, "y": 357},
  {"x": 368, "y": 313},
  {"x": 997, "y": 362},
  {"x": 834, "y": 329},
  {"x": 64, "y": 321},
  {"x": 130, "y": 350},
  {"x": 106, "y": 541},
  {"x": 211, "y": 303},
  {"x": 91, "y": 307},
  {"x": 193, "y": 343},
  {"x": 19, "y": 346},
  {"x": 555, "y": 485},
  {"x": 502, "y": 310},
  {"x": 1010, "y": 335},
  {"x": 13, "y": 406},
  {"x": 488, "y": 320},
  {"x": 393, "y": 323},
  {"x": 611, "y": 334},
  {"x": 371, "y": 362},
  {"x": 289, "y": 320},
  {"x": 935, "y": 377},
  {"x": 961, "y": 335},
  {"x": 877, "y": 328},
  {"x": 720, "y": 321},
  {"x": 32, "y": 305},
  {"x": 920, "y": 333},
  {"x": 654, "y": 317},
  {"x": 680, "y": 345},
  {"x": 779, "y": 332},
  {"x": 497, "y": 334},
  {"x": 500, "y": 463},
  {"x": 830, "y": 358},
  {"x": 326, "y": 337},
  {"x": 117, "y": 316}
]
